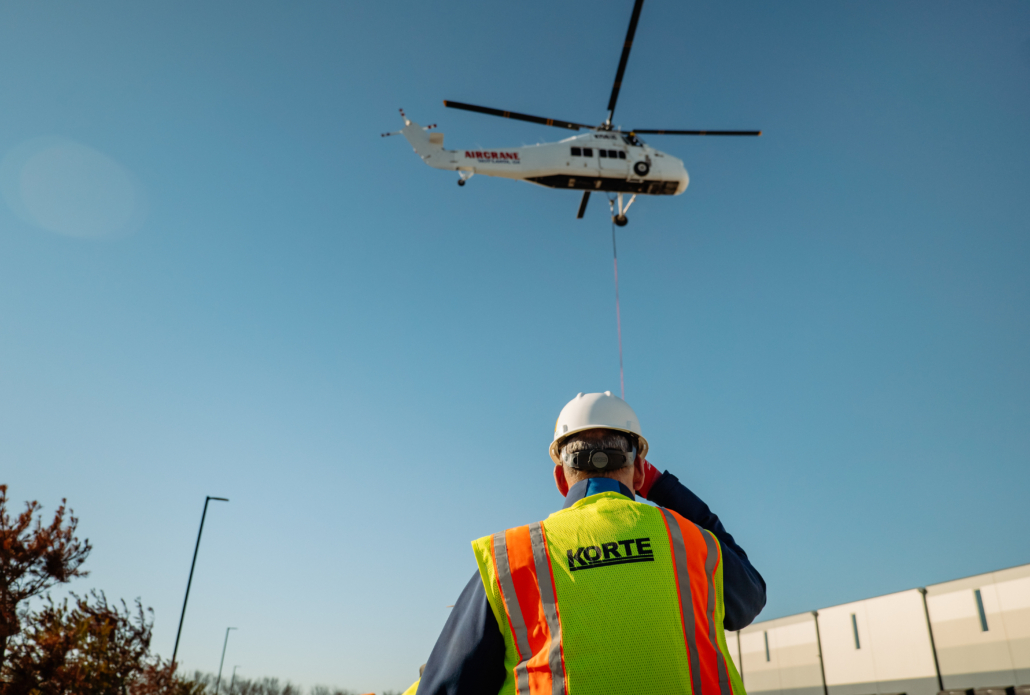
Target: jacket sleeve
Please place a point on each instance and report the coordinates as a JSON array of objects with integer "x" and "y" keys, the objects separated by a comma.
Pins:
[
  {"x": 743, "y": 586},
  {"x": 468, "y": 658}
]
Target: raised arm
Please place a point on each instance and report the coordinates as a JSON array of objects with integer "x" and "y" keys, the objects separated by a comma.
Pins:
[{"x": 744, "y": 588}]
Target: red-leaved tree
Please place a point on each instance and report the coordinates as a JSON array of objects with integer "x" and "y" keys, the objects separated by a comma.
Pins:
[
  {"x": 33, "y": 558},
  {"x": 89, "y": 647}
]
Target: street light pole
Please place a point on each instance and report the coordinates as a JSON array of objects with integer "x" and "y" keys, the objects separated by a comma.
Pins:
[
  {"x": 224, "y": 645},
  {"x": 233, "y": 681},
  {"x": 192, "y": 566}
]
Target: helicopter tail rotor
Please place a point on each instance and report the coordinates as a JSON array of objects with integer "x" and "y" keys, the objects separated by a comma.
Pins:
[{"x": 406, "y": 123}]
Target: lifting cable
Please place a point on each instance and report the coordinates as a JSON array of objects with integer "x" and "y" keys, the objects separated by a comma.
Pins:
[{"x": 618, "y": 317}]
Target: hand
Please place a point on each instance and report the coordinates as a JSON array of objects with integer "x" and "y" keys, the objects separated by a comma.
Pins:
[
  {"x": 651, "y": 474},
  {"x": 559, "y": 480}
]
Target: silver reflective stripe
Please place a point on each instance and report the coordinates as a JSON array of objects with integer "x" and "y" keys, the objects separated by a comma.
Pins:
[
  {"x": 543, "y": 578},
  {"x": 710, "y": 562},
  {"x": 511, "y": 603},
  {"x": 679, "y": 556}
]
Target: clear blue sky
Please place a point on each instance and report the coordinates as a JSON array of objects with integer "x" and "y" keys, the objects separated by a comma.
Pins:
[{"x": 827, "y": 336}]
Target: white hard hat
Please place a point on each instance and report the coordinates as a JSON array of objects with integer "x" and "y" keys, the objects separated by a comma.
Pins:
[{"x": 589, "y": 411}]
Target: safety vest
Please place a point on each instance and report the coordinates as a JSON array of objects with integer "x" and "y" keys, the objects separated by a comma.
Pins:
[{"x": 609, "y": 596}]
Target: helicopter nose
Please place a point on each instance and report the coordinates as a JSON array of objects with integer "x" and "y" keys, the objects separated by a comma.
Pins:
[{"x": 684, "y": 179}]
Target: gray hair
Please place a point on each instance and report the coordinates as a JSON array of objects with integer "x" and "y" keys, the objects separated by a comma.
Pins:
[{"x": 596, "y": 439}]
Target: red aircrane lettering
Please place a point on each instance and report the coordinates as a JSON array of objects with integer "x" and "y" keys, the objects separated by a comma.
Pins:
[{"x": 491, "y": 155}]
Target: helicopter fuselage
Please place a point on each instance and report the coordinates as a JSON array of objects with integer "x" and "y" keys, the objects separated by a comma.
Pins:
[{"x": 609, "y": 161}]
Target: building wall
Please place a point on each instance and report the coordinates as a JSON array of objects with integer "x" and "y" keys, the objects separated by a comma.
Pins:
[
  {"x": 733, "y": 642},
  {"x": 790, "y": 666},
  {"x": 969, "y": 655},
  {"x": 892, "y": 653},
  {"x": 882, "y": 645}
]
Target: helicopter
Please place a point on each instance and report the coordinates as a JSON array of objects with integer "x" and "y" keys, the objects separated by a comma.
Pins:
[{"x": 603, "y": 159}]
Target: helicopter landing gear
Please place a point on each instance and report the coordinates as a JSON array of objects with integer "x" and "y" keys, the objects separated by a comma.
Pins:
[
  {"x": 461, "y": 182},
  {"x": 464, "y": 176},
  {"x": 620, "y": 218}
]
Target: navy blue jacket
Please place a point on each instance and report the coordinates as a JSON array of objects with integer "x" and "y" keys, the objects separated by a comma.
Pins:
[{"x": 468, "y": 658}]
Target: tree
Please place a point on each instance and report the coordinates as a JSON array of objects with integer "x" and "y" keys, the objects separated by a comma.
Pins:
[
  {"x": 89, "y": 647},
  {"x": 259, "y": 686},
  {"x": 83, "y": 647},
  {"x": 326, "y": 690},
  {"x": 160, "y": 678},
  {"x": 33, "y": 558}
]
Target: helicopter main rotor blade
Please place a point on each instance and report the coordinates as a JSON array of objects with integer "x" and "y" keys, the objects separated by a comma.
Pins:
[
  {"x": 699, "y": 132},
  {"x": 624, "y": 58},
  {"x": 516, "y": 116},
  {"x": 583, "y": 205}
]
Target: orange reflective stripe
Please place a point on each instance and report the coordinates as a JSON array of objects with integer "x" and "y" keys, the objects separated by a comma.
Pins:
[
  {"x": 680, "y": 568},
  {"x": 712, "y": 558},
  {"x": 502, "y": 569},
  {"x": 541, "y": 668},
  {"x": 549, "y": 601},
  {"x": 696, "y": 559},
  {"x": 523, "y": 575}
]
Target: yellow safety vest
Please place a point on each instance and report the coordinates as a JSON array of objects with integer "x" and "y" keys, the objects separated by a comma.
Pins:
[{"x": 609, "y": 596}]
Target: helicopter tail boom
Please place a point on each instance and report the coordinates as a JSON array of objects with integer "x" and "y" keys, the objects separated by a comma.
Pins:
[{"x": 428, "y": 146}]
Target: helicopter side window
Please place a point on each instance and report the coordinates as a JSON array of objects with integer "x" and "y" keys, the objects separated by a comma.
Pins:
[
  {"x": 602, "y": 153},
  {"x": 622, "y": 155},
  {"x": 576, "y": 151},
  {"x": 588, "y": 151},
  {"x": 614, "y": 154}
]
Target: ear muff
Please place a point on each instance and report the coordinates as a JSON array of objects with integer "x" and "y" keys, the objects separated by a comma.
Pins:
[{"x": 599, "y": 460}]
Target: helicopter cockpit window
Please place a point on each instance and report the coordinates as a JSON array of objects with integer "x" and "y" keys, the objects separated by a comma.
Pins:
[
  {"x": 576, "y": 151},
  {"x": 588, "y": 151},
  {"x": 633, "y": 140}
]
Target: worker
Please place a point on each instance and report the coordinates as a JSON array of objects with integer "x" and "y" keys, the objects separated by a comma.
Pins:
[{"x": 607, "y": 595}]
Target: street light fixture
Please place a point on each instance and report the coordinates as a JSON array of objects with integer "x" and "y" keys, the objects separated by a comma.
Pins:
[
  {"x": 192, "y": 566},
  {"x": 224, "y": 645}
]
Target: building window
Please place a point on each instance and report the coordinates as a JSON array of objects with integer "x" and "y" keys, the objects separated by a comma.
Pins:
[
  {"x": 766, "y": 635},
  {"x": 980, "y": 607},
  {"x": 622, "y": 155},
  {"x": 576, "y": 151},
  {"x": 602, "y": 153},
  {"x": 854, "y": 629},
  {"x": 588, "y": 151}
]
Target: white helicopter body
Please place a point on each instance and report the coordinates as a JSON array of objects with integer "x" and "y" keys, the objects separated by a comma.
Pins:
[
  {"x": 602, "y": 159},
  {"x": 608, "y": 161}
]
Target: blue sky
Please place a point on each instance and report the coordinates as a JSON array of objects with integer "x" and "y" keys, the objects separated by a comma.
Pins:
[{"x": 826, "y": 336}]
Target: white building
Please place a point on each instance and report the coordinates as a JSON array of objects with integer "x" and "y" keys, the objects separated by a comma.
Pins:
[{"x": 971, "y": 633}]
